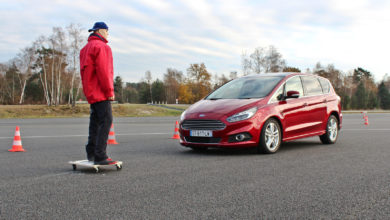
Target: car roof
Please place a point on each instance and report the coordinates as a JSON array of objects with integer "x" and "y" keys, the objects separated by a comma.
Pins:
[{"x": 281, "y": 74}]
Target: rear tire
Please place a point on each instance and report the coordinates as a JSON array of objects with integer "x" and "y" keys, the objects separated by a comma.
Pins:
[
  {"x": 332, "y": 131},
  {"x": 270, "y": 137}
]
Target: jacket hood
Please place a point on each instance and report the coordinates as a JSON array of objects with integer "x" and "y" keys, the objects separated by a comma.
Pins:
[{"x": 97, "y": 36}]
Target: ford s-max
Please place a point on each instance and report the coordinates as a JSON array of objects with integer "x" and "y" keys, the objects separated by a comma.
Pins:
[{"x": 263, "y": 111}]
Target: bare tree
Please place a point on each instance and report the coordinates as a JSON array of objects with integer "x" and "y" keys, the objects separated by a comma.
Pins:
[
  {"x": 233, "y": 75},
  {"x": 5, "y": 92},
  {"x": 220, "y": 80},
  {"x": 148, "y": 77},
  {"x": 76, "y": 40},
  {"x": 172, "y": 80},
  {"x": 43, "y": 54},
  {"x": 246, "y": 64},
  {"x": 258, "y": 60},
  {"x": 24, "y": 62},
  {"x": 52, "y": 58},
  {"x": 348, "y": 84},
  {"x": 2, "y": 82},
  {"x": 273, "y": 61},
  {"x": 59, "y": 49},
  {"x": 263, "y": 60}
]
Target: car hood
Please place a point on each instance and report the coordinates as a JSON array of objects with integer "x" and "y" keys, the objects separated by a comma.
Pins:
[{"x": 218, "y": 107}]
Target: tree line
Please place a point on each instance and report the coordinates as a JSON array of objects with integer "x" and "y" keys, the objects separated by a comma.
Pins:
[{"x": 47, "y": 72}]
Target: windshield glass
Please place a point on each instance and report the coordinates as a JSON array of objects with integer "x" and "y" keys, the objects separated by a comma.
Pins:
[{"x": 246, "y": 88}]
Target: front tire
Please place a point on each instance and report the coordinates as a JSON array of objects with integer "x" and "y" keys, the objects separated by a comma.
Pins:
[
  {"x": 332, "y": 131},
  {"x": 270, "y": 137}
]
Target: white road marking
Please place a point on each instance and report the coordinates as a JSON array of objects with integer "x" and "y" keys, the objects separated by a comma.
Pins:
[
  {"x": 368, "y": 129},
  {"x": 59, "y": 136}
]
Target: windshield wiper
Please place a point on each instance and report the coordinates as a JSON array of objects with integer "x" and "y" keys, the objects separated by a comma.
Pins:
[
  {"x": 250, "y": 98},
  {"x": 215, "y": 98}
]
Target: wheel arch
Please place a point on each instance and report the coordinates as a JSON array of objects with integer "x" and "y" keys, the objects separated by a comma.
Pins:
[
  {"x": 279, "y": 122},
  {"x": 336, "y": 114},
  {"x": 261, "y": 148}
]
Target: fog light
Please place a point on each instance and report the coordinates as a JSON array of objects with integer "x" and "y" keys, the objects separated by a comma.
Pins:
[{"x": 240, "y": 137}]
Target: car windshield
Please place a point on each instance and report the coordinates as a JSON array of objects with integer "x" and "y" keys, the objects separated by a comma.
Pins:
[{"x": 246, "y": 88}]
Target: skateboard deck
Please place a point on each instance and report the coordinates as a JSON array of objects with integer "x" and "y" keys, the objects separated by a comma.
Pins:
[{"x": 86, "y": 163}]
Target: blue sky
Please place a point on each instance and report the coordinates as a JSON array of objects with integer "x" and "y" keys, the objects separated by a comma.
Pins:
[{"x": 155, "y": 35}]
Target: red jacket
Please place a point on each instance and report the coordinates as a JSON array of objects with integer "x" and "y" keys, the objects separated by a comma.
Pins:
[{"x": 96, "y": 69}]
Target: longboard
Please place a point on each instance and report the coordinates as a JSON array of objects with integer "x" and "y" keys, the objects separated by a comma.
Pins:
[{"x": 86, "y": 163}]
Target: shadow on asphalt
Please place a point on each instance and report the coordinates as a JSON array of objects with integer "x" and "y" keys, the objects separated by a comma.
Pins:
[
  {"x": 294, "y": 145},
  {"x": 286, "y": 147},
  {"x": 221, "y": 152},
  {"x": 91, "y": 171}
]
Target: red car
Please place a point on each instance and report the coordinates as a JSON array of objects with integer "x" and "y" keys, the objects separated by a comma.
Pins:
[{"x": 262, "y": 111}]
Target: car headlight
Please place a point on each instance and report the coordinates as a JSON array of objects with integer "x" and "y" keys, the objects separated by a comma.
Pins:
[
  {"x": 242, "y": 115},
  {"x": 182, "y": 116}
]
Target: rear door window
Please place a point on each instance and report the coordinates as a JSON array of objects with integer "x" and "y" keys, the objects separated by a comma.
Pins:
[
  {"x": 325, "y": 85},
  {"x": 312, "y": 86}
]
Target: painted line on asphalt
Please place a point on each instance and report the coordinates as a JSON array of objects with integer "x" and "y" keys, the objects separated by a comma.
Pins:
[
  {"x": 60, "y": 136},
  {"x": 368, "y": 129}
]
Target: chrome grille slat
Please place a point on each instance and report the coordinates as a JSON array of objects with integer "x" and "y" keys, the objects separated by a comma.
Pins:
[{"x": 213, "y": 125}]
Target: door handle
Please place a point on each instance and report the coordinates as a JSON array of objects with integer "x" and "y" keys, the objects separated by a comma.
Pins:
[{"x": 305, "y": 104}]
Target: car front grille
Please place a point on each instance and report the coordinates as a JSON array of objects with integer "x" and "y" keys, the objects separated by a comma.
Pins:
[
  {"x": 203, "y": 140},
  {"x": 213, "y": 125}
]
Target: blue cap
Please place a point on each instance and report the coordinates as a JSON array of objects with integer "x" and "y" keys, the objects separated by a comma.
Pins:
[{"x": 98, "y": 25}]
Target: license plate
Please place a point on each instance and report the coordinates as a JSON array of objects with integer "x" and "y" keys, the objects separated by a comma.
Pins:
[{"x": 201, "y": 133}]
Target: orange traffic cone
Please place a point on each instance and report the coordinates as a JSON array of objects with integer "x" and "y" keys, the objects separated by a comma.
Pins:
[
  {"x": 366, "y": 120},
  {"x": 176, "y": 133},
  {"x": 17, "y": 144},
  {"x": 111, "y": 136}
]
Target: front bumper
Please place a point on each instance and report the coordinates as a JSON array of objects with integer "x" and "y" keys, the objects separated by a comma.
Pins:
[{"x": 221, "y": 138}]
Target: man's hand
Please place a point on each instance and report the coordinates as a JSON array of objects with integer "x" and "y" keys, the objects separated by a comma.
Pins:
[{"x": 112, "y": 98}]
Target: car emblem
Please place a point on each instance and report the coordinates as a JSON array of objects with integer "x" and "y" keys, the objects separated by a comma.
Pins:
[{"x": 202, "y": 115}]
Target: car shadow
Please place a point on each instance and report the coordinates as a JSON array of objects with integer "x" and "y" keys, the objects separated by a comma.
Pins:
[
  {"x": 300, "y": 144},
  {"x": 286, "y": 146},
  {"x": 221, "y": 152}
]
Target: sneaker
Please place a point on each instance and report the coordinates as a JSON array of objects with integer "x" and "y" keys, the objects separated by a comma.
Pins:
[
  {"x": 91, "y": 158},
  {"x": 107, "y": 161}
]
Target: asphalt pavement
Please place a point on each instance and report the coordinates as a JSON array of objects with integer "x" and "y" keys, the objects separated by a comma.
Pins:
[{"x": 162, "y": 180}]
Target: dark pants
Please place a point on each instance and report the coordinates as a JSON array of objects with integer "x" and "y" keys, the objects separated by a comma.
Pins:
[{"x": 99, "y": 126}]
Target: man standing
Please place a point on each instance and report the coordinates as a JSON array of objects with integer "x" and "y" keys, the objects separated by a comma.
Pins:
[{"x": 97, "y": 75}]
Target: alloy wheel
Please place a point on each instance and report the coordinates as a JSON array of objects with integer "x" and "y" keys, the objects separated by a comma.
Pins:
[
  {"x": 332, "y": 129},
  {"x": 272, "y": 136}
]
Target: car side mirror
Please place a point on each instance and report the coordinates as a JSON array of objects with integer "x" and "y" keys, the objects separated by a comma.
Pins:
[
  {"x": 280, "y": 97},
  {"x": 292, "y": 94}
]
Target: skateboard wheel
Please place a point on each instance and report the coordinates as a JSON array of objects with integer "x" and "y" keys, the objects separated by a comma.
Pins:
[
  {"x": 97, "y": 170},
  {"x": 118, "y": 167},
  {"x": 74, "y": 166}
]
